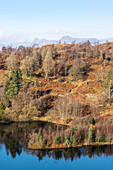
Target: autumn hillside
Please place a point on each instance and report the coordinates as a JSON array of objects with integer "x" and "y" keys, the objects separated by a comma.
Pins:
[{"x": 69, "y": 84}]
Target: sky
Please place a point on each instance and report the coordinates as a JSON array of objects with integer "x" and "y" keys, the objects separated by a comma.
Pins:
[{"x": 24, "y": 20}]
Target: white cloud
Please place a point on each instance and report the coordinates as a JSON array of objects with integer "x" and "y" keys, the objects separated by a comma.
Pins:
[
  {"x": 1, "y": 33},
  {"x": 12, "y": 38}
]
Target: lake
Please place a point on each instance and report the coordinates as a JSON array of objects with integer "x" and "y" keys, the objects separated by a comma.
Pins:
[{"x": 14, "y": 154}]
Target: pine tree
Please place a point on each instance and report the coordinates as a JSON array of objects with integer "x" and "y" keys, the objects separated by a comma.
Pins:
[{"x": 12, "y": 84}]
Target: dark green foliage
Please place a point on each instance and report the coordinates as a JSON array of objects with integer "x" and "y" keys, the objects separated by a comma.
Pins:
[
  {"x": 41, "y": 141},
  {"x": 12, "y": 84},
  {"x": 108, "y": 78},
  {"x": 57, "y": 140},
  {"x": 94, "y": 120},
  {"x": 72, "y": 131},
  {"x": 2, "y": 107}
]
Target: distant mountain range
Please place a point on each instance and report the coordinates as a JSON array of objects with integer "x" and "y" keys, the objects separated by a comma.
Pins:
[{"x": 64, "y": 39}]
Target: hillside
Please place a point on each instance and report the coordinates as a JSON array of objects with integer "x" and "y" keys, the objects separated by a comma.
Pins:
[
  {"x": 68, "y": 84},
  {"x": 57, "y": 82}
]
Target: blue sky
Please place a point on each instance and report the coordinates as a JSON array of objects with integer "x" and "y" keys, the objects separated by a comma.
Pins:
[{"x": 52, "y": 19}]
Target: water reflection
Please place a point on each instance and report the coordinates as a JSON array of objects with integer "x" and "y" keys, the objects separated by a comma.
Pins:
[
  {"x": 74, "y": 153},
  {"x": 15, "y": 137}
]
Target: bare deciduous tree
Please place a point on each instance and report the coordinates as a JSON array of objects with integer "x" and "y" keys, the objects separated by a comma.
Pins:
[{"x": 48, "y": 64}]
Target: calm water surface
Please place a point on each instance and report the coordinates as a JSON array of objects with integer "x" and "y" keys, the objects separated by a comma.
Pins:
[{"x": 14, "y": 154}]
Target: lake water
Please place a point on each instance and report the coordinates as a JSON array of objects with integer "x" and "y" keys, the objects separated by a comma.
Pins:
[{"x": 14, "y": 154}]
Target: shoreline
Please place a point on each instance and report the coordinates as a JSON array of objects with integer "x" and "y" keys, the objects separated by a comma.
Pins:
[
  {"x": 61, "y": 146},
  {"x": 31, "y": 121},
  {"x": 34, "y": 147}
]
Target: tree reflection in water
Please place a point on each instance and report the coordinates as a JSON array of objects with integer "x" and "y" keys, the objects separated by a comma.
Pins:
[{"x": 15, "y": 137}]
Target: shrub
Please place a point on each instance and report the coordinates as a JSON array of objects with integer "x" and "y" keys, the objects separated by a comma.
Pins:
[
  {"x": 77, "y": 71},
  {"x": 103, "y": 138},
  {"x": 90, "y": 135},
  {"x": 66, "y": 140},
  {"x": 1, "y": 109},
  {"x": 57, "y": 140},
  {"x": 75, "y": 74},
  {"x": 73, "y": 141},
  {"x": 41, "y": 141},
  {"x": 72, "y": 131},
  {"x": 61, "y": 79},
  {"x": 109, "y": 122}
]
